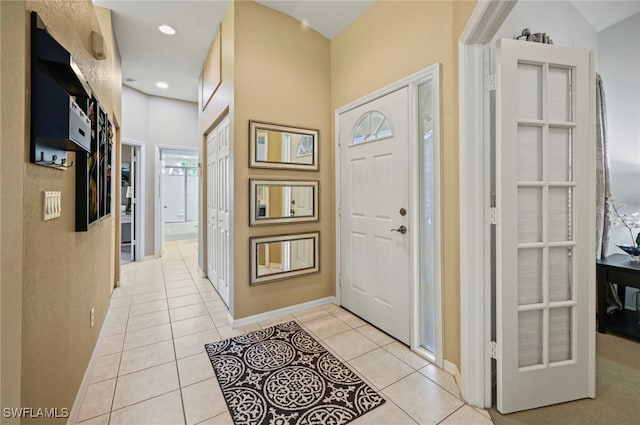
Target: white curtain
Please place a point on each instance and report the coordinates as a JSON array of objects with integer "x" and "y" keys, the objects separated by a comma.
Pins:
[{"x": 603, "y": 190}]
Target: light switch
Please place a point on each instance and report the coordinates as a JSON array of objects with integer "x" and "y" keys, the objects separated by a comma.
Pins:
[{"x": 52, "y": 204}]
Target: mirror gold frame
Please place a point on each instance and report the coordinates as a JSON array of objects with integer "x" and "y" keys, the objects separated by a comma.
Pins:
[
  {"x": 299, "y": 208},
  {"x": 298, "y": 156},
  {"x": 264, "y": 270}
]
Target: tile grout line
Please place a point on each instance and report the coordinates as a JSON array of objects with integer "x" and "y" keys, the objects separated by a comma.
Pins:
[
  {"x": 175, "y": 355},
  {"x": 450, "y": 414},
  {"x": 115, "y": 386}
]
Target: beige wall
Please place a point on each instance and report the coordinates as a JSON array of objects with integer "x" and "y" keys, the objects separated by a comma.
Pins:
[
  {"x": 12, "y": 169},
  {"x": 282, "y": 75},
  {"x": 302, "y": 79},
  {"x": 52, "y": 275},
  {"x": 389, "y": 41}
]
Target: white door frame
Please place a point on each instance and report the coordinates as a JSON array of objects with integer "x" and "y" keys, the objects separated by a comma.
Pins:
[
  {"x": 475, "y": 300},
  {"x": 412, "y": 82},
  {"x": 139, "y": 195},
  {"x": 157, "y": 216}
]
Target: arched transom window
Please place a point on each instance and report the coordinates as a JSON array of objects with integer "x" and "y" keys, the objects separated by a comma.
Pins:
[
  {"x": 305, "y": 146},
  {"x": 372, "y": 125}
]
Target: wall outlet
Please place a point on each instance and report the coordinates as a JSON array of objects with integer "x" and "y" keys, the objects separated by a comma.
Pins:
[{"x": 92, "y": 316}]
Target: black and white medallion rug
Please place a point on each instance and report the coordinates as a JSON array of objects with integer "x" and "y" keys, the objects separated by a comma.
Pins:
[{"x": 282, "y": 376}]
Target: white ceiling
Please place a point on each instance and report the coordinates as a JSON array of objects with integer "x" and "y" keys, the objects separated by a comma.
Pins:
[{"x": 149, "y": 56}]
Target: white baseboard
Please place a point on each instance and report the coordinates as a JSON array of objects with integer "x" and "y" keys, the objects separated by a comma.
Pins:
[
  {"x": 249, "y": 320},
  {"x": 82, "y": 391},
  {"x": 453, "y": 370}
]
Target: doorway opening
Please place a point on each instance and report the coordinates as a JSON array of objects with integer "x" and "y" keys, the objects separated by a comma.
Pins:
[
  {"x": 130, "y": 208},
  {"x": 179, "y": 185}
]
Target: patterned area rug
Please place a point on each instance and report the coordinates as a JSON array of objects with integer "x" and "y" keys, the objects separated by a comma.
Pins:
[{"x": 282, "y": 376}]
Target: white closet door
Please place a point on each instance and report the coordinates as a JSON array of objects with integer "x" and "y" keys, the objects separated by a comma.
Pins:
[
  {"x": 545, "y": 234},
  {"x": 223, "y": 192},
  {"x": 212, "y": 209}
]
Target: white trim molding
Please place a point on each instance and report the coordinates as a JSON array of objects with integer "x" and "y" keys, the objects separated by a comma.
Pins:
[
  {"x": 86, "y": 380},
  {"x": 261, "y": 317},
  {"x": 141, "y": 193},
  {"x": 475, "y": 301}
]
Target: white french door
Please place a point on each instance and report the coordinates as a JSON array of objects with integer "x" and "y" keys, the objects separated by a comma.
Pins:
[
  {"x": 374, "y": 225},
  {"x": 545, "y": 280},
  {"x": 218, "y": 205}
]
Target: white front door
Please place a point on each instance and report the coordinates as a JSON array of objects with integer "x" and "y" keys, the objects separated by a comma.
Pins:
[
  {"x": 374, "y": 234},
  {"x": 545, "y": 303},
  {"x": 301, "y": 202},
  {"x": 218, "y": 199}
]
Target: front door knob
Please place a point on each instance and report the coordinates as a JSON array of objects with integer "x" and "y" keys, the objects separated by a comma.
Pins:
[{"x": 401, "y": 229}]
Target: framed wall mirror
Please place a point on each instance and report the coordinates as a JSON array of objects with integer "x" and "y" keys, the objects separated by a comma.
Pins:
[
  {"x": 282, "y": 257},
  {"x": 282, "y": 147},
  {"x": 282, "y": 201}
]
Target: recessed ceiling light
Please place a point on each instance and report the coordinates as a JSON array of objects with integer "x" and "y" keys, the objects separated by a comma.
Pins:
[
  {"x": 162, "y": 85},
  {"x": 166, "y": 29},
  {"x": 131, "y": 81}
]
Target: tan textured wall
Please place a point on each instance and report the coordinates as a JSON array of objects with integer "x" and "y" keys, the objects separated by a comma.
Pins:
[
  {"x": 282, "y": 75},
  {"x": 389, "y": 41},
  {"x": 12, "y": 154},
  {"x": 57, "y": 273}
]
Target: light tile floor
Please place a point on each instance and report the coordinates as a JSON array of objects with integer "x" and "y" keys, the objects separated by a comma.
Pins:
[{"x": 152, "y": 367}]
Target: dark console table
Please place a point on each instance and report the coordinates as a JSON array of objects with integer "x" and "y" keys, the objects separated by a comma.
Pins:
[{"x": 617, "y": 269}]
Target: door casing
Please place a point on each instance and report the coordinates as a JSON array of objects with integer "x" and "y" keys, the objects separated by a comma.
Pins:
[
  {"x": 140, "y": 193},
  {"x": 412, "y": 82}
]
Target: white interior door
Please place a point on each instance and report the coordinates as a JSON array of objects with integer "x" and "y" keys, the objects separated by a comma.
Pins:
[
  {"x": 223, "y": 193},
  {"x": 374, "y": 186},
  {"x": 545, "y": 265},
  {"x": 212, "y": 209}
]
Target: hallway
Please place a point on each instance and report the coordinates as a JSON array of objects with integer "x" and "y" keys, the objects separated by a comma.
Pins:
[{"x": 152, "y": 367}]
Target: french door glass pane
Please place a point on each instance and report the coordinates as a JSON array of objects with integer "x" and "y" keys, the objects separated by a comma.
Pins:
[
  {"x": 529, "y": 338},
  {"x": 529, "y": 214},
  {"x": 529, "y": 92},
  {"x": 529, "y": 153},
  {"x": 529, "y": 276},
  {"x": 559, "y": 161},
  {"x": 559, "y": 80},
  {"x": 560, "y": 273},
  {"x": 560, "y": 329},
  {"x": 560, "y": 214}
]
